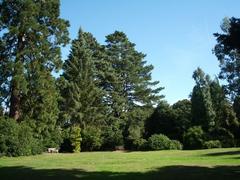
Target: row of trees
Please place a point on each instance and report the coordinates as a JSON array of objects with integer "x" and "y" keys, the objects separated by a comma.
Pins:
[
  {"x": 105, "y": 97},
  {"x": 212, "y": 116},
  {"x": 208, "y": 117},
  {"x": 106, "y": 90}
]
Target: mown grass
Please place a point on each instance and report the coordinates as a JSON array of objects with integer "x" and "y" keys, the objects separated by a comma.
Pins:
[{"x": 199, "y": 164}]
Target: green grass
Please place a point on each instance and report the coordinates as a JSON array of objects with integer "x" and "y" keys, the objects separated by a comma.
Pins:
[{"x": 199, "y": 164}]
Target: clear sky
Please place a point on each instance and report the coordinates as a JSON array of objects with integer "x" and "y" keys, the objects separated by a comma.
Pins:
[{"x": 176, "y": 35}]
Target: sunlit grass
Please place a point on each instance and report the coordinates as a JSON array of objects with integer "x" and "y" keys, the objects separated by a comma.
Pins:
[{"x": 125, "y": 165}]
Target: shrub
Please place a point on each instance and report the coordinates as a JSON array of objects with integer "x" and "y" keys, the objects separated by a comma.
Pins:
[
  {"x": 54, "y": 138},
  {"x": 193, "y": 138},
  {"x": 176, "y": 145},
  {"x": 159, "y": 142},
  {"x": 27, "y": 144},
  {"x": 8, "y": 137},
  {"x": 212, "y": 144},
  {"x": 16, "y": 139},
  {"x": 140, "y": 144},
  {"x": 112, "y": 137},
  {"x": 91, "y": 139},
  {"x": 75, "y": 138},
  {"x": 224, "y": 136},
  {"x": 66, "y": 145},
  {"x": 134, "y": 140}
]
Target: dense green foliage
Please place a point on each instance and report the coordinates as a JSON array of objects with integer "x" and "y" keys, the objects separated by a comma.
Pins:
[
  {"x": 212, "y": 144},
  {"x": 107, "y": 91},
  {"x": 227, "y": 51},
  {"x": 104, "y": 98},
  {"x": 31, "y": 36},
  {"x": 75, "y": 138},
  {"x": 17, "y": 139},
  {"x": 162, "y": 142},
  {"x": 194, "y": 138},
  {"x": 202, "y": 107}
]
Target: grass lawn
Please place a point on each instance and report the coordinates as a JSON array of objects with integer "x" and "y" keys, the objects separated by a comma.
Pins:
[{"x": 211, "y": 164}]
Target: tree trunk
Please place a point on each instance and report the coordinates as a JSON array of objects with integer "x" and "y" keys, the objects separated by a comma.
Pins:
[
  {"x": 15, "y": 84},
  {"x": 14, "y": 102}
]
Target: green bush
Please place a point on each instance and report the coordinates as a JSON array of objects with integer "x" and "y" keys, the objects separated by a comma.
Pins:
[
  {"x": 159, "y": 142},
  {"x": 134, "y": 140},
  {"x": 75, "y": 138},
  {"x": 140, "y": 144},
  {"x": 53, "y": 139},
  {"x": 27, "y": 144},
  {"x": 212, "y": 144},
  {"x": 176, "y": 145},
  {"x": 112, "y": 137},
  {"x": 8, "y": 137},
  {"x": 66, "y": 145},
  {"x": 16, "y": 139},
  {"x": 224, "y": 136},
  {"x": 91, "y": 139},
  {"x": 193, "y": 138}
]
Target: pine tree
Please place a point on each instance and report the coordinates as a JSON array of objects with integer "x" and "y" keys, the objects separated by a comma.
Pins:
[
  {"x": 227, "y": 50},
  {"x": 132, "y": 81},
  {"x": 203, "y": 113},
  {"x": 82, "y": 102},
  {"x": 129, "y": 84},
  {"x": 225, "y": 115}
]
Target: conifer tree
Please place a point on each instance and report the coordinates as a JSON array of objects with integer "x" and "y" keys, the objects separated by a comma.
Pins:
[
  {"x": 31, "y": 36},
  {"x": 129, "y": 85},
  {"x": 82, "y": 102},
  {"x": 32, "y": 33},
  {"x": 227, "y": 50},
  {"x": 225, "y": 115},
  {"x": 203, "y": 113}
]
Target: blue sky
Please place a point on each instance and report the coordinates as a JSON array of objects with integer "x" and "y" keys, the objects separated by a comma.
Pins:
[{"x": 176, "y": 35}]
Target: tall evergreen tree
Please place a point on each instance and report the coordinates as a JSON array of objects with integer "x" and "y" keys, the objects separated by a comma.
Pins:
[
  {"x": 226, "y": 124},
  {"x": 182, "y": 118},
  {"x": 203, "y": 113},
  {"x": 227, "y": 51},
  {"x": 225, "y": 116},
  {"x": 82, "y": 102},
  {"x": 31, "y": 36},
  {"x": 31, "y": 31},
  {"x": 129, "y": 85}
]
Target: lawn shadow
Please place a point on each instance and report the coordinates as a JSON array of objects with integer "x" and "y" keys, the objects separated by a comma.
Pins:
[
  {"x": 163, "y": 173},
  {"x": 223, "y": 153}
]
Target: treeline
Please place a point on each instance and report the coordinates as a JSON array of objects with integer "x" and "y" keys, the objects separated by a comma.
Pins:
[{"x": 105, "y": 98}]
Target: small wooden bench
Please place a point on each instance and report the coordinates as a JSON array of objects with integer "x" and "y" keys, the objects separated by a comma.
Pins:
[
  {"x": 119, "y": 148},
  {"x": 52, "y": 150}
]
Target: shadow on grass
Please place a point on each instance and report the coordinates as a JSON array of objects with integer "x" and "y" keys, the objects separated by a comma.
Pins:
[
  {"x": 163, "y": 173},
  {"x": 224, "y": 153}
]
